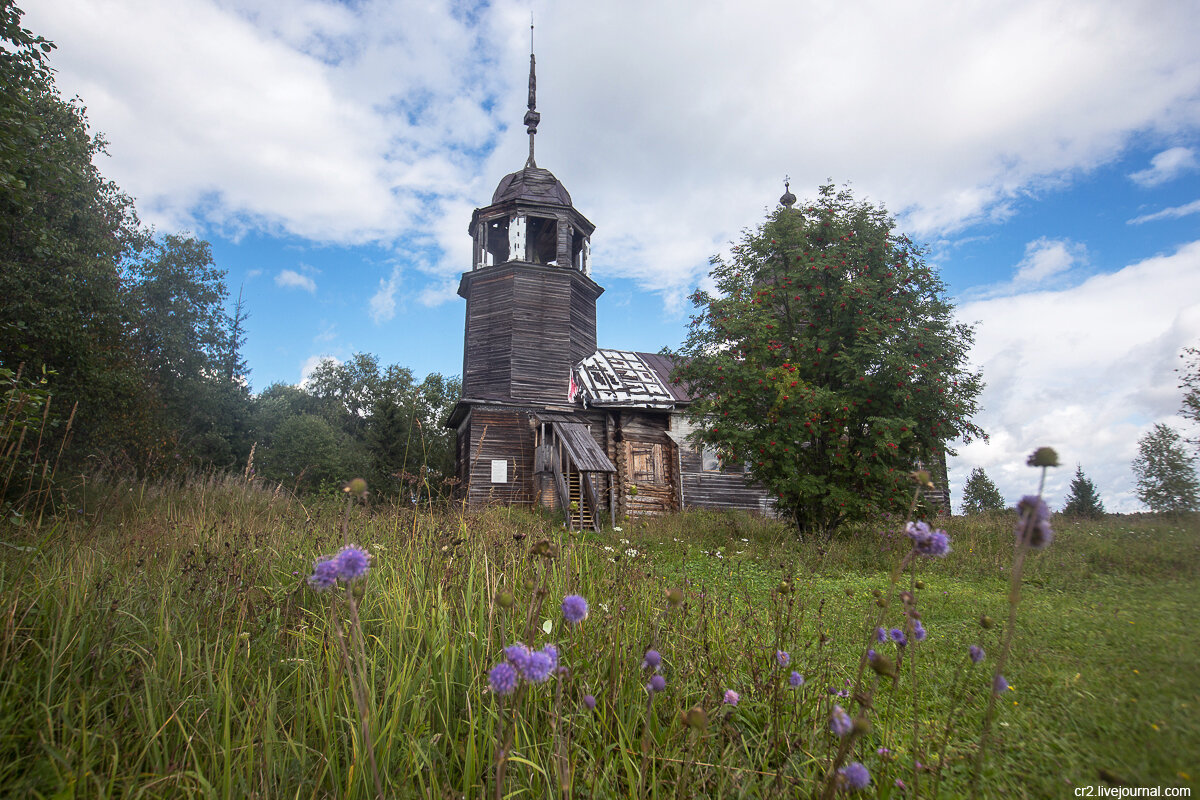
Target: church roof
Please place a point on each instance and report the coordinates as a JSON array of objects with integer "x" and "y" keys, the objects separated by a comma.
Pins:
[
  {"x": 627, "y": 378},
  {"x": 532, "y": 183}
]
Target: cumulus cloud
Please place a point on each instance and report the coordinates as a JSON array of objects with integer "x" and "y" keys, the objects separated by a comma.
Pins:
[
  {"x": 290, "y": 279},
  {"x": 1085, "y": 370},
  {"x": 671, "y": 123},
  {"x": 1174, "y": 212},
  {"x": 1166, "y": 166}
]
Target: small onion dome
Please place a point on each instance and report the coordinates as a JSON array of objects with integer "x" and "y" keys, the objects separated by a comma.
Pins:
[{"x": 788, "y": 198}]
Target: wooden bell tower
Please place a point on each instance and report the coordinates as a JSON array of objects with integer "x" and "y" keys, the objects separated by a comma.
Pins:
[{"x": 531, "y": 303}]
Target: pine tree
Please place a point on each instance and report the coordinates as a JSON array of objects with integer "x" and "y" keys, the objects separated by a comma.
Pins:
[
  {"x": 980, "y": 494},
  {"x": 1084, "y": 500},
  {"x": 1166, "y": 477}
]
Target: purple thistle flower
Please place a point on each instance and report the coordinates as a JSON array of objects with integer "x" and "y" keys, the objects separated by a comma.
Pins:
[
  {"x": 871, "y": 654},
  {"x": 999, "y": 685},
  {"x": 840, "y": 722},
  {"x": 651, "y": 660},
  {"x": 919, "y": 631},
  {"x": 324, "y": 575},
  {"x": 590, "y": 702},
  {"x": 855, "y": 776},
  {"x": 574, "y": 609},
  {"x": 796, "y": 680},
  {"x": 518, "y": 655},
  {"x": 1033, "y": 522},
  {"x": 503, "y": 679},
  {"x": 656, "y": 684},
  {"x": 732, "y": 697},
  {"x": 782, "y": 658},
  {"x": 880, "y": 635},
  {"x": 352, "y": 563},
  {"x": 976, "y": 653},
  {"x": 898, "y": 637}
]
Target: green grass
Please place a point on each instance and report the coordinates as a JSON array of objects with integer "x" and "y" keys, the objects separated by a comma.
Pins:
[{"x": 161, "y": 642}]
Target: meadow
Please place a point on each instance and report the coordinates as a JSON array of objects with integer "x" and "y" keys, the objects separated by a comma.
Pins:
[{"x": 162, "y": 640}]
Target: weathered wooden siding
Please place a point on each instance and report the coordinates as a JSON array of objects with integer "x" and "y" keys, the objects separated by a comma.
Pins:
[
  {"x": 526, "y": 327},
  {"x": 500, "y": 434},
  {"x": 645, "y": 457},
  {"x": 725, "y": 488}
]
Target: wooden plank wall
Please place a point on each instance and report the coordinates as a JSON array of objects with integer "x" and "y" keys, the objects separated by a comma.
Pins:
[
  {"x": 726, "y": 488},
  {"x": 495, "y": 434},
  {"x": 487, "y": 350},
  {"x": 635, "y": 427}
]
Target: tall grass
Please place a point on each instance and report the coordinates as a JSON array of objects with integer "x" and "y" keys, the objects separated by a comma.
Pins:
[{"x": 161, "y": 641}]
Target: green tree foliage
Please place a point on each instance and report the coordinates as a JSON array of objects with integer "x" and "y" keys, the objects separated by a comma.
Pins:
[
  {"x": 980, "y": 494},
  {"x": 64, "y": 230},
  {"x": 1166, "y": 476},
  {"x": 383, "y": 423},
  {"x": 1083, "y": 500},
  {"x": 828, "y": 361},
  {"x": 1190, "y": 408}
]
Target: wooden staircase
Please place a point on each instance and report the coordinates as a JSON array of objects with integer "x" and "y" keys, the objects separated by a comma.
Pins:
[{"x": 583, "y": 514}]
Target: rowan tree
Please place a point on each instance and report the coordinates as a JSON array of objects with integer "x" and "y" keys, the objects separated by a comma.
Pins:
[{"x": 828, "y": 362}]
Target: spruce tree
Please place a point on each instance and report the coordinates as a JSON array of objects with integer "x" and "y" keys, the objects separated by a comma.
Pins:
[
  {"x": 1084, "y": 500},
  {"x": 980, "y": 494}
]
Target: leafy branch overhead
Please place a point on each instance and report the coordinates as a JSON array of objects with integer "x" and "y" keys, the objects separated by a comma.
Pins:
[{"x": 827, "y": 361}]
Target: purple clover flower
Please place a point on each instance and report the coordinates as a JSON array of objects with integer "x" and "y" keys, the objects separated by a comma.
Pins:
[
  {"x": 503, "y": 679},
  {"x": 927, "y": 542},
  {"x": 880, "y": 635},
  {"x": 1033, "y": 522},
  {"x": 919, "y": 632},
  {"x": 518, "y": 655},
  {"x": 732, "y": 697},
  {"x": 840, "y": 722},
  {"x": 999, "y": 685},
  {"x": 855, "y": 776},
  {"x": 590, "y": 702},
  {"x": 538, "y": 666},
  {"x": 352, "y": 563},
  {"x": 656, "y": 684},
  {"x": 976, "y": 653},
  {"x": 574, "y": 609},
  {"x": 651, "y": 660},
  {"x": 871, "y": 654},
  {"x": 898, "y": 637},
  {"x": 782, "y": 658},
  {"x": 796, "y": 680},
  {"x": 324, "y": 576}
]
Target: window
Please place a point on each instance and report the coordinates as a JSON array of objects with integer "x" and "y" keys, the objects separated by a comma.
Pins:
[{"x": 543, "y": 241}]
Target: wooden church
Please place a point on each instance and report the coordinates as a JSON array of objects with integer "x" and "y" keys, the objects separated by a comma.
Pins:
[{"x": 546, "y": 418}]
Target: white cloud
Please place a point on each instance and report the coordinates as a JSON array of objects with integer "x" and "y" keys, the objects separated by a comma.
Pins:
[
  {"x": 290, "y": 279},
  {"x": 1174, "y": 212},
  {"x": 671, "y": 123},
  {"x": 1166, "y": 166},
  {"x": 383, "y": 302},
  {"x": 1085, "y": 370},
  {"x": 1047, "y": 258}
]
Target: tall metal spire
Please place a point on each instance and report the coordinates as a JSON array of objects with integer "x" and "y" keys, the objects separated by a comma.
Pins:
[{"x": 532, "y": 117}]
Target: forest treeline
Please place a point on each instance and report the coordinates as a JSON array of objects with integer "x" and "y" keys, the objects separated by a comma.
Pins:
[{"x": 121, "y": 349}]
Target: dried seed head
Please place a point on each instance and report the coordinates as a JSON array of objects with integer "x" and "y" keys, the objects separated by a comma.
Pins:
[
  {"x": 674, "y": 597},
  {"x": 985, "y": 621},
  {"x": 696, "y": 717},
  {"x": 1043, "y": 457},
  {"x": 505, "y": 599}
]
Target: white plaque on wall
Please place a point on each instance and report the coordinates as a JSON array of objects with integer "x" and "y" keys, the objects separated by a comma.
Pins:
[{"x": 499, "y": 470}]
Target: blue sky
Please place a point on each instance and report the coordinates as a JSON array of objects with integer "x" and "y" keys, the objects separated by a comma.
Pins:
[{"x": 1047, "y": 152}]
